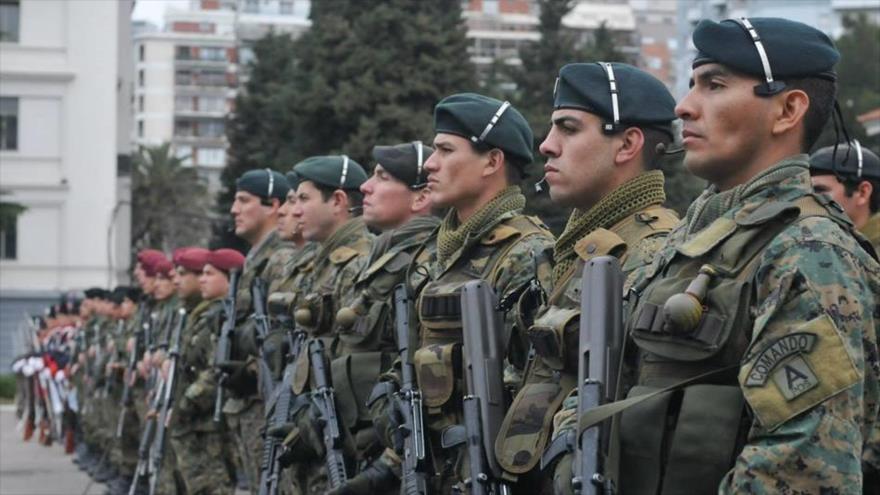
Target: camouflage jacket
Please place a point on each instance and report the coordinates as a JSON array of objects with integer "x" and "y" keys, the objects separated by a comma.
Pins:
[
  {"x": 807, "y": 363},
  {"x": 331, "y": 275},
  {"x": 197, "y": 387},
  {"x": 871, "y": 231},
  {"x": 554, "y": 333},
  {"x": 255, "y": 265}
]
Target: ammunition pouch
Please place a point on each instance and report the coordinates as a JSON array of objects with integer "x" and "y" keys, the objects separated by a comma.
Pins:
[
  {"x": 438, "y": 369},
  {"x": 354, "y": 377}
]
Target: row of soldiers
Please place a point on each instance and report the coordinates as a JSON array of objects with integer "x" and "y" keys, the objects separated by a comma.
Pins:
[{"x": 370, "y": 344}]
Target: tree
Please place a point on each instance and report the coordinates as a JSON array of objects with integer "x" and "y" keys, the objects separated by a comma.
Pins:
[
  {"x": 535, "y": 79},
  {"x": 170, "y": 205},
  {"x": 368, "y": 72},
  {"x": 858, "y": 79}
]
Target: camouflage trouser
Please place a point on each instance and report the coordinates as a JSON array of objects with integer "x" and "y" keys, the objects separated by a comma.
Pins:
[
  {"x": 167, "y": 482},
  {"x": 246, "y": 430},
  {"x": 203, "y": 463}
]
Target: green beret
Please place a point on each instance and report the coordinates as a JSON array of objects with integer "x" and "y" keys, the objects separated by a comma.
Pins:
[
  {"x": 265, "y": 183},
  {"x": 482, "y": 119},
  {"x": 852, "y": 162},
  {"x": 405, "y": 162},
  {"x": 642, "y": 100},
  {"x": 292, "y": 180},
  {"x": 338, "y": 171},
  {"x": 793, "y": 49}
]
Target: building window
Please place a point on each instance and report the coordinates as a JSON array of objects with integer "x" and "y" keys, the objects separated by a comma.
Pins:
[
  {"x": 142, "y": 53},
  {"x": 140, "y": 128},
  {"x": 212, "y": 78},
  {"x": 286, "y": 7},
  {"x": 212, "y": 104},
  {"x": 10, "y": 11},
  {"x": 212, "y": 128},
  {"x": 184, "y": 103},
  {"x": 212, "y": 157},
  {"x": 251, "y": 6},
  {"x": 183, "y": 78},
  {"x": 8, "y": 123},
  {"x": 490, "y": 7},
  {"x": 140, "y": 103},
  {"x": 141, "y": 78},
  {"x": 212, "y": 53},
  {"x": 183, "y": 53},
  {"x": 184, "y": 128},
  {"x": 8, "y": 240}
]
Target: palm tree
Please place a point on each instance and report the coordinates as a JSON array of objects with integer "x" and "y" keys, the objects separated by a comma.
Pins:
[{"x": 170, "y": 202}]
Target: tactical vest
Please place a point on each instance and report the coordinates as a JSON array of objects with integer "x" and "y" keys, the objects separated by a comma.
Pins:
[
  {"x": 438, "y": 360},
  {"x": 685, "y": 440},
  {"x": 366, "y": 346},
  {"x": 554, "y": 336}
]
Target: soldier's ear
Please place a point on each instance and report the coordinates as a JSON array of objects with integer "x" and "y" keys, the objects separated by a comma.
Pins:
[
  {"x": 628, "y": 145},
  {"x": 494, "y": 162}
]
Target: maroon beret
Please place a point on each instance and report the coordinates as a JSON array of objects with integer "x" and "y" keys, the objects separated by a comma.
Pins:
[
  {"x": 191, "y": 258},
  {"x": 145, "y": 256},
  {"x": 156, "y": 267},
  {"x": 226, "y": 260}
]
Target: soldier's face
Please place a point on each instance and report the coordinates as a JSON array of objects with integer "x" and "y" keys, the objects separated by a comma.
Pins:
[
  {"x": 388, "y": 202},
  {"x": 580, "y": 162},
  {"x": 315, "y": 215},
  {"x": 288, "y": 225},
  {"x": 454, "y": 171},
  {"x": 725, "y": 125},
  {"x": 186, "y": 283},
  {"x": 856, "y": 205},
  {"x": 213, "y": 283},
  {"x": 249, "y": 214},
  {"x": 163, "y": 287},
  {"x": 126, "y": 309}
]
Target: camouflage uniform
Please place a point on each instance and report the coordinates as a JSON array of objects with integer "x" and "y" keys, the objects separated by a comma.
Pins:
[
  {"x": 503, "y": 247},
  {"x": 786, "y": 267},
  {"x": 871, "y": 230},
  {"x": 629, "y": 223},
  {"x": 324, "y": 284},
  {"x": 203, "y": 460},
  {"x": 366, "y": 346},
  {"x": 243, "y": 409}
]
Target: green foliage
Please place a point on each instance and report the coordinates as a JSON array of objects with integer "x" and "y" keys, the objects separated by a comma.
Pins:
[
  {"x": 858, "y": 78},
  {"x": 7, "y": 386},
  {"x": 368, "y": 72},
  {"x": 535, "y": 78},
  {"x": 170, "y": 205}
]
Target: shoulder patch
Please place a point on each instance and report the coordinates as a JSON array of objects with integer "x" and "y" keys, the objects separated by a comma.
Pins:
[
  {"x": 391, "y": 261},
  {"x": 342, "y": 254},
  {"x": 797, "y": 371},
  {"x": 499, "y": 234},
  {"x": 713, "y": 235},
  {"x": 598, "y": 243}
]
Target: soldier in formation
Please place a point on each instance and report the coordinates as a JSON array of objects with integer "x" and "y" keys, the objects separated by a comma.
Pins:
[{"x": 412, "y": 330}]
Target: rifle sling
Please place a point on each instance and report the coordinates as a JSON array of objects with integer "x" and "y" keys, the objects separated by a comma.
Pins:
[{"x": 598, "y": 414}]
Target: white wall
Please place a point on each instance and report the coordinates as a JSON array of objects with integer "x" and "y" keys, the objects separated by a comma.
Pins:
[{"x": 65, "y": 71}]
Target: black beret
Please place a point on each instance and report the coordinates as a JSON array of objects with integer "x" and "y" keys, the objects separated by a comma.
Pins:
[
  {"x": 337, "y": 171},
  {"x": 293, "y": 180},
  {"x": 118, "y": 294},
  {"x": 265, "y": 183},
  {"x": 404, "y": 162},
  {"x": 641, "y": 98},
  {"x": 847, "y": 160},
  {"x": 475, "y": 117},
  {"x": 94, "y": 293},
  {"x": 793, "y": 49}
]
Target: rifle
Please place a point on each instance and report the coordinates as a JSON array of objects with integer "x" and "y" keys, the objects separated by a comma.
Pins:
[
  {"x": 131, "y": 369},
  {"x": 601, "y": 330},
  {"x": 157, "y": 452},
  {"x": 484, "y": 406},
  {"x": 261, "y": 322},
  {"x": 224, "y": 343},
  {"x": 147, "y": 437},
  {"x": 108, "y": 383},
  {"x": 278, "y": 412},
  {"x": 408, "y": 402},
  {"x": 324, "y": 398}
]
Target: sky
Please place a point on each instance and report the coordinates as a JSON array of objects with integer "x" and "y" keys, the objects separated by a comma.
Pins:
[{"x": 153, "y": 10}]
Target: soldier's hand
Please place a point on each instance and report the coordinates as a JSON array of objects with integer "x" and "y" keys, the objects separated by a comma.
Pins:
[{"x": 151, "y": 414}]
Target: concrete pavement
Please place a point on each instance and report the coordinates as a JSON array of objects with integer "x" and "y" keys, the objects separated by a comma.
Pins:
[{"x": 28, "y": 468}]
